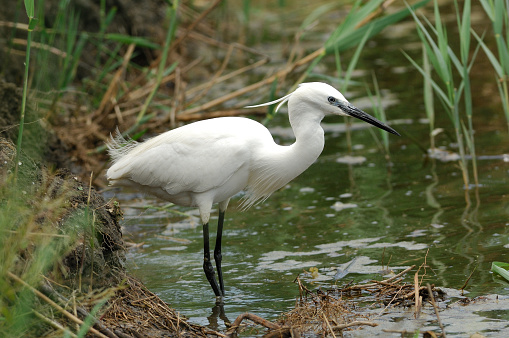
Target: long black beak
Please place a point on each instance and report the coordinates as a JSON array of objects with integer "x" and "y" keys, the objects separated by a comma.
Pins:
[{"x": 358, "y": 113}]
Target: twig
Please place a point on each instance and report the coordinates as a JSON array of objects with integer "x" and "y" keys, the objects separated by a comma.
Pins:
[
  {"x": 50, "y": 292},
  {"x": 394, "y": 284},
  {"x": 417, "y": 297},
  {"x": 256, "y": 85},
  {"x": 355, "y": 323},
  {"x": 195, "y": 22},
  {"x": 56, "y": 325},
  {"x": 122, "y": 335},
  {"x": 376, "y": 283},
  {"x": 218, "y": 113},
  {"x": 254, "y": 318},
  {"x": 468, "y": 279},
  {"x": 55, "y": 305},
  {"x": 405, "y": 332},
  {"x": 411, "y": 294},
  {"x": 328, "y": 325},
  {"x": 390, "y": 302},
  {"x": 436, "y": 310},
  {"x": 107, "y": 100},
  {"x": 399, "y": 274}
]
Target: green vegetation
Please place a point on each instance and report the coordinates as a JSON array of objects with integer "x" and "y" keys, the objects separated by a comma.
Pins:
[
  {"x": 141, "y": 83},
  {"x": 448, "y": 68},
  {"x": 498, "y": 12},
  {"x": 501, "y": 269},
  {"x": 31, "y": 244},
  {"x": 32, "y": 21}
]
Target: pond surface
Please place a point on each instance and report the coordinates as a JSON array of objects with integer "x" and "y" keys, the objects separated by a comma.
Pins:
[{"x": 353, "y": 209}]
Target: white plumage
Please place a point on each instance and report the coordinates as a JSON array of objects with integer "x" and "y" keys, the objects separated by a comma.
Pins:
[{"x": 209, "y": 161}]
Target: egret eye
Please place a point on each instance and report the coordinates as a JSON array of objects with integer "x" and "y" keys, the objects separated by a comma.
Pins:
[{"x": 331, "y": 99}]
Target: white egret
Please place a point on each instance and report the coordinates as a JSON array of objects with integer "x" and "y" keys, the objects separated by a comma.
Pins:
[{"x": 210, "y": 161}]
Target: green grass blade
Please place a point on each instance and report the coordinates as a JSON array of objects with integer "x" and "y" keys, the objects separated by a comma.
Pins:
[
  {"x": 349, "y": 39},
  {"x": 355, "y": 59},
  {"x": 428, "y": 93},
  {"x": 30, "y": 8},
  {"x": 379, "y": 112},
  {"x": 501, "y": 269},
  {"x": 504, "y": 95},
  {"x": 436, "y": 56},
  {"x": 503, "y": 53},
  {"x": 493, "y": 59},
  {"x": 457, "y": 63},
  {"x": 437, "y": 88},
  {"x": 109, "y": 17},
  {"x": 466, "y": 25},
  {"x": 498, "y": 23},
  {"x": 162, "y": 64},
  {"x": 89, "y": 321},
  {"x": 488, "y": 8},
  {"x": 316, "y": 15},
  {"x": 137, "y": 40}
]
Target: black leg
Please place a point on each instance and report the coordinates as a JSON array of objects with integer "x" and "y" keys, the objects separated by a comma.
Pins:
[
  {"x": 217, "y": 250},
  {"x": 207, "y": 265}
]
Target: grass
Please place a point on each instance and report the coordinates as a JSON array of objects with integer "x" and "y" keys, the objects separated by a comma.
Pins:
[
  {"x": 379, "y": 113},
  {"x": 30, "y": 244},
  {"x": 162, "y": 71},
  {"x": 32, "y": 21},
  {"x": 448, "y": 68},
  {"x": 497, "y": 12}
]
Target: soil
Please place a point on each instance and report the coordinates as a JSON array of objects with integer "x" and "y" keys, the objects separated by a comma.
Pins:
[{"x": 92, "y": 264}]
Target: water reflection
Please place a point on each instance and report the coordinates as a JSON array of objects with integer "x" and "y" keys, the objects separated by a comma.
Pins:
[{"x": 217, "y": 314}]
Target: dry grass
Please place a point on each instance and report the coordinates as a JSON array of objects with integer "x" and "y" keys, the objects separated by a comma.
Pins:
[{"x": 330, "y": 312}]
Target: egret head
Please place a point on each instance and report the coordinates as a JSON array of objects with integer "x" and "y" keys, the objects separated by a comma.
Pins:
[
  {"x": 330, "y": 101},
  {"x": 325, "y": 99}
]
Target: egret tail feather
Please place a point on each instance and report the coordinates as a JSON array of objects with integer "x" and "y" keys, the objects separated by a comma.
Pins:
[{"x": 118, "y": 146}]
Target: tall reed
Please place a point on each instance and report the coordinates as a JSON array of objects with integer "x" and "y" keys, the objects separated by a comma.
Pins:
[
  {"x": 32, "y": 22},
  {"x": 498, "y": 12},
  {"x": 379, "y": 113},
  {"x": 448, "y": 68},
  {"x": 162, "y": 70}
]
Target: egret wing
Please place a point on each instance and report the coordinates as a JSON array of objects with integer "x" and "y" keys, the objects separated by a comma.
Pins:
[{"x": 194, "y": 164}]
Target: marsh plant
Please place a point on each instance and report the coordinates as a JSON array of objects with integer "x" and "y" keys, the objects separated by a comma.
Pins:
[
  {"x": 33, "y": 239},
  {"x": 448, "y": 76},
  {"x": 498, "y": 13}
]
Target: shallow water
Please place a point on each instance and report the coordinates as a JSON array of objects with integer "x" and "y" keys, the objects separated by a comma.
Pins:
[
  {"x": 363, "y": 216},
  {"x": 352, "y": 210}
]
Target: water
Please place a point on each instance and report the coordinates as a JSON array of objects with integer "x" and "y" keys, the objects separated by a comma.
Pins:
[
  {"x": 373, "y": 212},
  {"x": 353, "y": 209}
]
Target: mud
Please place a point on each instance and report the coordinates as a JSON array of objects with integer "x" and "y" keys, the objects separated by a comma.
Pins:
[{"x": 93, "y": 268}]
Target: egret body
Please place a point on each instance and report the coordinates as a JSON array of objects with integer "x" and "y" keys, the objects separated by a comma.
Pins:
[{"x": 210, "y": 161}]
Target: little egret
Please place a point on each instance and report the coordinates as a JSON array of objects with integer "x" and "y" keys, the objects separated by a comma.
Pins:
[{"x": 208, "y": 162}]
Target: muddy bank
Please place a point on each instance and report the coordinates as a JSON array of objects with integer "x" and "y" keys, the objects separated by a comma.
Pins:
[
  {"x": 92, "y": 266},
  {"x": 51, "y": 193}
]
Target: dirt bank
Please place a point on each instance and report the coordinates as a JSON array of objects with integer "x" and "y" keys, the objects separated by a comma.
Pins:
[{"x": 92, "y": 267}]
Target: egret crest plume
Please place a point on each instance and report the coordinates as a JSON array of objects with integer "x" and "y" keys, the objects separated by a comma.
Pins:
[{"x": 281, "y": 99}]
